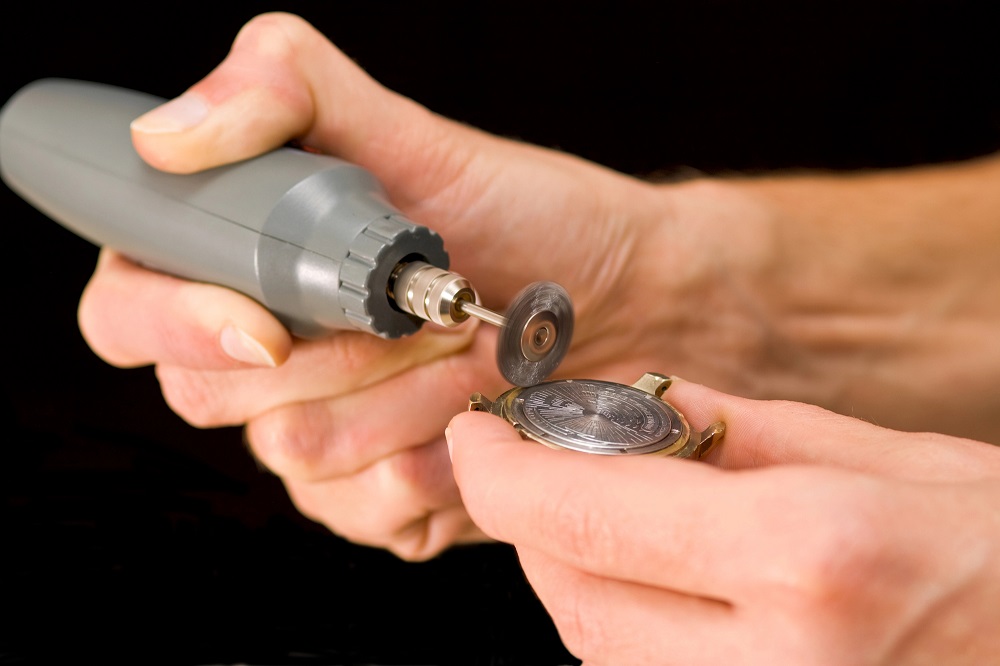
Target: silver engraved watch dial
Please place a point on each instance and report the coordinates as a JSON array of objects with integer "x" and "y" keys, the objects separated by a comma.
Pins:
[{"x": 598, "y": 417}]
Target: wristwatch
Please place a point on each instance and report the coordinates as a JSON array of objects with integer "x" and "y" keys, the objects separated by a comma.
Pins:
[{"x": 602, "y": 417}]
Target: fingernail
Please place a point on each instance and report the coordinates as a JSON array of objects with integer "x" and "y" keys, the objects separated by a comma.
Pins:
[
  {"x": 447, "y": 438},
  {"x": 177, "y": 115},
  {"x": 239, "y": 345}
]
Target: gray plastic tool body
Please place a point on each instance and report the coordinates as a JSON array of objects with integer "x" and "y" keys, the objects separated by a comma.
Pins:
[{"x": 311, "y": 237}]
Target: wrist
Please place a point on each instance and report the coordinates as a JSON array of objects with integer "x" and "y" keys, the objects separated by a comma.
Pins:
[
  {"x": 865, "y": 294},
  {"x": 692, "y": 284}
]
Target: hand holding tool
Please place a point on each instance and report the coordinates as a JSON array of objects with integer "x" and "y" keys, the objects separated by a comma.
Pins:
[{"x": 311, "y": 237}]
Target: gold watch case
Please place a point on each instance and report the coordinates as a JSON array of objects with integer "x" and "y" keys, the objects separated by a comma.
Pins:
[{"x": 603, "y": 418}]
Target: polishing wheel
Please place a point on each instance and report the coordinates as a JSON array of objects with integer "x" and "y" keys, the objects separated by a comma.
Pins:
[{"x": 536, "y": 334}]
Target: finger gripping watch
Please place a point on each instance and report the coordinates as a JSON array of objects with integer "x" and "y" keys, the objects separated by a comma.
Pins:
[{"x": 600, "y": 417}]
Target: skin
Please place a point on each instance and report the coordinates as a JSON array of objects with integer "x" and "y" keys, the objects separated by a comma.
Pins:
[
  {"x": 812, "y": 538},
  {"x": 874, "y": 295}
]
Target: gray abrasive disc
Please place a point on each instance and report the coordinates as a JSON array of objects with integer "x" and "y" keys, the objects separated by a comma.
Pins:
[{"x": 537, "y": 334}]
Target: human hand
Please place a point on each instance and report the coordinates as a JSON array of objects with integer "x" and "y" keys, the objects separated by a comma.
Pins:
[
  {"x": 821, "y": 540},
  {"x": 352, "y": 424},
  {"x": 697, "y": 264}
]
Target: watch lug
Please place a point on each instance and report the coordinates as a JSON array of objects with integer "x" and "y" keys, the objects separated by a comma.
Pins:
[
  {"x": 653, "y": 383},
  {"x": 709, "y": 438},
  {"x": 480, "y": 403}
]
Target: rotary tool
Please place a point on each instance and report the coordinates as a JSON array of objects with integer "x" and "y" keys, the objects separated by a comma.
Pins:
[{"x": 311, "y": 237}]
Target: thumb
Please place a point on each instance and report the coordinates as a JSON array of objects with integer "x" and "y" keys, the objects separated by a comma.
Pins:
[
  {"x": 255, "y": 100},
  {"x": 483, "y": 449},
  {"x": 284, "y": 80}
]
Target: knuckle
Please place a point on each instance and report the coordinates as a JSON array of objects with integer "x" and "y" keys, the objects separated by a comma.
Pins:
[
  {"x": 580, "y": 626},
  {"x": 95, "y": 321},
  {"x": 583, "y": 534},
  {"x": 313, "y": 503},
  {"x": 367, "y": 516},
  {"x": 346, "y": 447},
  {"x": 789, "y": 409},
  {"x": 305, "y": 442},
  {"x": 830, "y": 585},
  {"x": 274, "y": 34},
  {"x": 409, "y": 553},
  {"x": 358, "y": 359},
  {"x": 307, "y": 504},
  {"x": 376, "y": 528},
  {"x": 288, "y": 444},
  {"x": 412, "y": 543},
  {"x": 429, "y": 535},
  {"x": 837, "y": 563},
  {"x": 419, "y": 476},
  {"x": 406, "y": 472},
  {"x": 192, "y": 396}
]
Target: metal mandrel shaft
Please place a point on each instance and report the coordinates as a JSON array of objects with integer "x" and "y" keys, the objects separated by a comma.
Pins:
[
  {"x": 484, "y": 314},
  {"x": 534, "y": 334}
]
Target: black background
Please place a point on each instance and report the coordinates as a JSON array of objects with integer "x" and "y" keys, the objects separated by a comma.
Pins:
[{"x": 129, "y": 537}]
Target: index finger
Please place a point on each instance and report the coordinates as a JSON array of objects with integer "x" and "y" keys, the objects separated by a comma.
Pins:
[
  {"x": 131, "y": 316},
  {"x": 764, "y": 433},
  {"x": 284, "y": 80}
]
